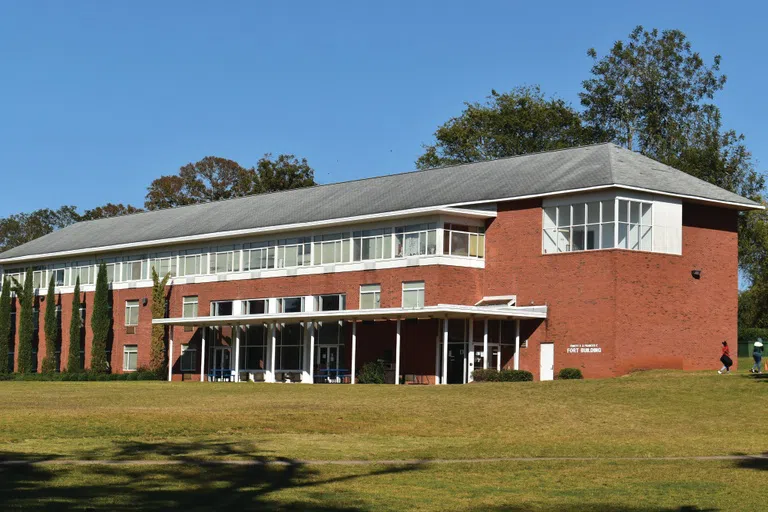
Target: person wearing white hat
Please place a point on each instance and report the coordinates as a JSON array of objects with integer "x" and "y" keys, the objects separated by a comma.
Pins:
[{"x": 757, "y": 355}]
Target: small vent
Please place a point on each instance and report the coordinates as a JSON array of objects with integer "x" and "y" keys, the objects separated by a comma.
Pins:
[{"x": 131, "y": 329}]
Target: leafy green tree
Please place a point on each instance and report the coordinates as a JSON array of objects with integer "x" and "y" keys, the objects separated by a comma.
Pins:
[
  {"x": 75, "y": 329},
  {"x": 514, "y": 123},
  {"x": 51, "y": 330},
  {"x": 109, "y": 210},
  {"x": 157, "y": 355},
  {"x": 26, "y": 295},
  {"x": 5, "y": 324},
  {"x": 214, "y": 178},
  {"x": 21, "y": 228},
  {"x": 101, "y": 322}
]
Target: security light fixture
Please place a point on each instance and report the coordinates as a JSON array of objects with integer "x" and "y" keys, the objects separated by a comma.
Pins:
[
  {"x": 696, "y": 274},
  {"x": 144, "y": 301}
]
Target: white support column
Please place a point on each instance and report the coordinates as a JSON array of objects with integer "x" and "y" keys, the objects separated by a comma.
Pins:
[
  {"x": 311, "y": 352},
  {"x": 445, "y": 351},
  {"x": 397, "y": 354},
  {"x": 517, "y": 344},
  {"x": 471, "y": 350},
  {"x": 170, "y": 353},
  {"x": 485, "y": 344},
  {"x": 269, "y": 376},
  {"x": 204, "y": 330},
  {"x": 354, "y": 351},
  {"x": 237, "y": 330},
  {"x": 437, "y": 354}
]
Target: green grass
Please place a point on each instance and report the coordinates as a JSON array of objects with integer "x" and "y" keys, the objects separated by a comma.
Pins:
[{"x": 642, "y": 415}]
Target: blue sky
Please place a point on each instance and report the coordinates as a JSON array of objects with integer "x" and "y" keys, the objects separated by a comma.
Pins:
[{"x": 99, "y": 98}]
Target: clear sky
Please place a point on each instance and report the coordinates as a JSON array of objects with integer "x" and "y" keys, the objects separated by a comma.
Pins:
[{"x": 98, "y": 98}]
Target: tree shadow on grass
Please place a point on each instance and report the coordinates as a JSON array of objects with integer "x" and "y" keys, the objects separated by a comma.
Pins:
[
  {"x": 195, "y": 477},
  {"x": 601, "y": 507},
  {"x": 759, "y": 463}
]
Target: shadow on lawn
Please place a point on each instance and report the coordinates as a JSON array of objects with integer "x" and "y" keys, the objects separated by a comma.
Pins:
[
  {"x": 602, "y": 508},
  {"x": 190, "y": 482},
  {"x": 758, "y": 463}
]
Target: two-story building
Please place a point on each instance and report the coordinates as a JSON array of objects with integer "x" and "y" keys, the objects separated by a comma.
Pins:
[{"x": 594, "y": 257}]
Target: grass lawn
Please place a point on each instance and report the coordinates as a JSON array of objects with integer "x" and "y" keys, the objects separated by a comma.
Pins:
[{"x": 643, "y": 415}]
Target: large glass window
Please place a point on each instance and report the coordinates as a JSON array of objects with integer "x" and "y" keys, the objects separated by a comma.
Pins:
[
  {"x": 85, "y": 273},
  {"x": 38, "y": 279},
  {"x": 372, "y": 244},
  {"x": 592, "y": 225},
  {"x": 134, "y": 270},
  {"x": 192, "y": 264},
  {"x": 413, "y": 294},
  {"x": 222, "y": 308},
  {"x": 113, "y": 272},
  {"x": 256, "y": 307},
  {"x": 460, "y": 240},
  {"x": 164, "y": 265},
  {"x": 294, "y": 252},
  {"x": 416, "y": 240},
  {"x": 188, "y": 358},
  {"x": 370, "y": 296},
  {"x": 58, "y": 276},
  {"x": 225, "y": 261},
  {"x": 253, "y": 348},
  {"x": 130, "y": 357},
  {"x": 290, "y": 305},
  {"x": 290, "y": 349},
  {"x": 331, "y": 249}
]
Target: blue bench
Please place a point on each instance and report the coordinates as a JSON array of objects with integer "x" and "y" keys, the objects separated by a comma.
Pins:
[{"x": 223, "y": 374}]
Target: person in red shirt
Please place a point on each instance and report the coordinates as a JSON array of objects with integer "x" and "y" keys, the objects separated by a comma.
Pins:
[{"x": 726, "y": 359}]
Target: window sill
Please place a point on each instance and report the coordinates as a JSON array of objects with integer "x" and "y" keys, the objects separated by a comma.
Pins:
[{"x": 618, "y": 249}]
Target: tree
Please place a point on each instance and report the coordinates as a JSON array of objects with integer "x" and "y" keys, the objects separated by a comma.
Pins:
[
  {"x": 75, "y": 327},
  {"x": 21, "y": 228},
  {"x": 284, "y": 173},
  {"x": 51, "y": 330},
  {"x": 214, "y": 178},
  {"x": 157, "y": 359},
  {"x": 109, "y": 210},
  {"x": 514, "y": 123},
  {"x": 101, "y": 322},
  {"x": 5, "y": 324},
  {"x": 26, "y": 295}
]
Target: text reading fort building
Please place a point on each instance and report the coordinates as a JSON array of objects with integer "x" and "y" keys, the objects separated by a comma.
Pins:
[{"x": 595, "y": 257}]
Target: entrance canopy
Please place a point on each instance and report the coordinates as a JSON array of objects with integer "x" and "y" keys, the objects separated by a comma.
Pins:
[{"x": 441, "y": 311}]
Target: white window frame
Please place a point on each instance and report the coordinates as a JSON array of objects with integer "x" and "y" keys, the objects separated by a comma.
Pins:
[
  {"x": 422, "y": 233},
  {"x": 373, "y": 290},
  {"x": 129, "y": 350},
  {"x": 192, "y": 351},
  {"x": 191, "y": 300},
  {"x": 475, "y": 236},
  {"x": 409, "y": 287},
  {"x": 381, "y": 238},
  {"x": 131, "y": 305},
  {"x": 231, "y": 261},
  {"x": 341, "y": 245}
]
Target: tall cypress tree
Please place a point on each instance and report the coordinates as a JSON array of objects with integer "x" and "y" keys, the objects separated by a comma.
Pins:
[
  {"x": 51, "y": 330},
  {"x": 75, "y": 325},
  {"x": 5, "y": 325},
  {"x": 26, "y": 322},
  {"x": 101, "y": 322},
  {"x": 157, "y": 357}
]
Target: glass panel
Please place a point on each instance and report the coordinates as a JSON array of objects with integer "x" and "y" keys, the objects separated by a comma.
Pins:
[
  {"x": 634, "y": 212},
  {"x": 564, "y": 215},
  {"x": 608, "y": 211},
  {"x": 593, "y": 237},
  {"x": 623, "y": 236},
  {"x": 593, "y": 213},
  {"x": 634, "y": 236},
  {"x": 563, "y": 240},
  {"x": 623, "y": 209},
  {"x": 550, "y": 217},
  {"x": 578, "y": 213},
  {"x": 328, "y": 252},
  {"x": 578, "y": 238},
  {"x": 607, "y": 236},
  {"x": 646, "y": 214},
  {"x": 416, "y": 285},
  {"x": 481, "y": 246},
  {"x": 411, "y": 245},
  {"x": 410, "y": 299},
  {"x": 459, "y": 244}
]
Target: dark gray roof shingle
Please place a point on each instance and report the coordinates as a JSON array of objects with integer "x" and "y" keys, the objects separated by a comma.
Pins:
[{"x": 541, "y": 173}]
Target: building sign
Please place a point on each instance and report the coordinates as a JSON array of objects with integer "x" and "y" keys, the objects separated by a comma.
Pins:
[{"x": 584, "y": 348}]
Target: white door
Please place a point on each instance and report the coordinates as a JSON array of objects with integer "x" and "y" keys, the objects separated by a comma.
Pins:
[{"x": 547, "y": 365}]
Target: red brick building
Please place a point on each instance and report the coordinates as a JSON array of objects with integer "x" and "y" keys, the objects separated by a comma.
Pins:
[{"x": 595, "y": 257}]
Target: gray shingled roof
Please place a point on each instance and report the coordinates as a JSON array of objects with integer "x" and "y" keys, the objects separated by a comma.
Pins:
[{"x": 541, "y": 173}]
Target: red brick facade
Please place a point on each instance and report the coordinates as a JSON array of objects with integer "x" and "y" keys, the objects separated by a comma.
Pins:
[{"x": 643, "y": 310}]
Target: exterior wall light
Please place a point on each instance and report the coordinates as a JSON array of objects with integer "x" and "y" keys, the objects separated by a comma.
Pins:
[
  {"x": 696, "y": 274},
  {"x": 144, "y": 301}
]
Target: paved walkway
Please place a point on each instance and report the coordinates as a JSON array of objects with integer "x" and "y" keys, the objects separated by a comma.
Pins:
[{"x": 405, "y": 462}]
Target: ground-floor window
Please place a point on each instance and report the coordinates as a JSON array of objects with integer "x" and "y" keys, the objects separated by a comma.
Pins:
[
  {"x": 290, "y": 349},
  {"x": 130, "y": 357},
  {"x": 188, "y": 358},
  {"x": 253, "y": 348}
]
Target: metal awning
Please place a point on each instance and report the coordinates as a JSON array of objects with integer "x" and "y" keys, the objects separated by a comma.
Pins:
[{"x": 356, "y": 315}]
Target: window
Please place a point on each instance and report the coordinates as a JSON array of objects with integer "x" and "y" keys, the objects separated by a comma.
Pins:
[
  {"x": 370, "y": 296},
  {"x": 331, "y": 249},
  {"x": 38, "y": 279},
  {"x": 259, "y": 256},
  {"x": 225, "y": 261},
  {"x": 372, "y": 244},
  {"x": 164, "y": 265},
  {"x": 253, "y": 347},
  {"x": 256, "y": 307},
  {"x": 290, "y": 305},
  {"x": 189, "y": 307},
  {"x": 581, "y": 226},
  {"x": 134, "y": 270},
  {"x": 188, "y": 358},
  {"x": 192, "y": 264},
  {"x": 413, "y": 294},
  {"x": 85, "y": 273},
  {"x": 290, "y": 350},
  {"x": 635, "y": 225},
  {"x": 415, "y": 240},
  {"x": 36, "y": 318},
  {"x": 130, "y": 357},
  {"x": 460, "y": 240},
  {"x": 294, "y": 252},
  {"x": 131, "y": 313},
  {"x": 58, "y": 276},
  {"x": 222, "y": 308}
]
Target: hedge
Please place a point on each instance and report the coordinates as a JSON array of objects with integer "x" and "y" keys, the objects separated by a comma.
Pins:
[
  {"x": 86, "y": 376},
  {"x": 569, "y": 373},
  {"x": 502, "y": 376},
  {"x": 371, "y": 373}
]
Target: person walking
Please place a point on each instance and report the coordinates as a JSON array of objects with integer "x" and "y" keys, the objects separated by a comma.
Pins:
[
  {"x": 757, "y": 355},
  {"x": 726, "y": 359}
]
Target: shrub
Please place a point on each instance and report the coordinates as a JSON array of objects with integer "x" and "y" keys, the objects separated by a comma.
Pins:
[
  {"x": 371, "y": 373},
  {"x": 569, "y": 373},
  {"x": 502, "y": 376}
]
